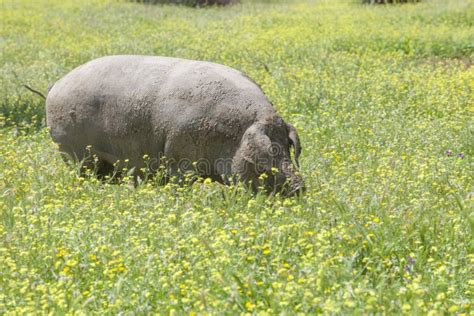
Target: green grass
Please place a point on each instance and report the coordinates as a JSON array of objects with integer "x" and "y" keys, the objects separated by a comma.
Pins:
[{"x": 378, "y": 94}]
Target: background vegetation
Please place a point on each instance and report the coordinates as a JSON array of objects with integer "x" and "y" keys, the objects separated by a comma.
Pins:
[
  {"x": 389, "y": 1},
  {"x": 190, "y": 2},
  {"x": 382, "y": 98}
]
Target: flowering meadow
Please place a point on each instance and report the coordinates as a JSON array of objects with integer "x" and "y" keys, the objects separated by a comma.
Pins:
[{"x": 382, "y": 99}]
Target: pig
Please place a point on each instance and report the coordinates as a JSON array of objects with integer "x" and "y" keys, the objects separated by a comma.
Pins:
[{"x": 181, "y": 115}]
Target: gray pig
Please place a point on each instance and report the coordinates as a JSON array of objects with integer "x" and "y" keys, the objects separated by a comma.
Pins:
[{"x": 188, "y": 115}]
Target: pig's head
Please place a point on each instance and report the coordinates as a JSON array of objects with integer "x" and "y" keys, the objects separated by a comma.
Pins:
[{"x": 264, "y": 157}]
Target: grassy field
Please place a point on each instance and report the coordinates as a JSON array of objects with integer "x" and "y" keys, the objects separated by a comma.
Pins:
[{"x": 382, "y": 98}]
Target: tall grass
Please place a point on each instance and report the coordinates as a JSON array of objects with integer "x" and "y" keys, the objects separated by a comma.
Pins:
[{"x": 382, "y": 99}]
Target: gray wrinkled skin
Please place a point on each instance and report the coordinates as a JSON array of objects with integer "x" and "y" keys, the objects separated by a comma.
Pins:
[{"x": 126, "y": 107}]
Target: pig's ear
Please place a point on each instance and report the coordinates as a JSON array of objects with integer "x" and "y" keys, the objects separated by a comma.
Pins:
[
  {"x": 258, "y": 148},
  {"x": 254, "y": 155},
  {"x": 295, "y": 142}
]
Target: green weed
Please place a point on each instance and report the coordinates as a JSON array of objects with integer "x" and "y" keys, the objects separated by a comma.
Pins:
[{"x": 382, "y": 99}]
